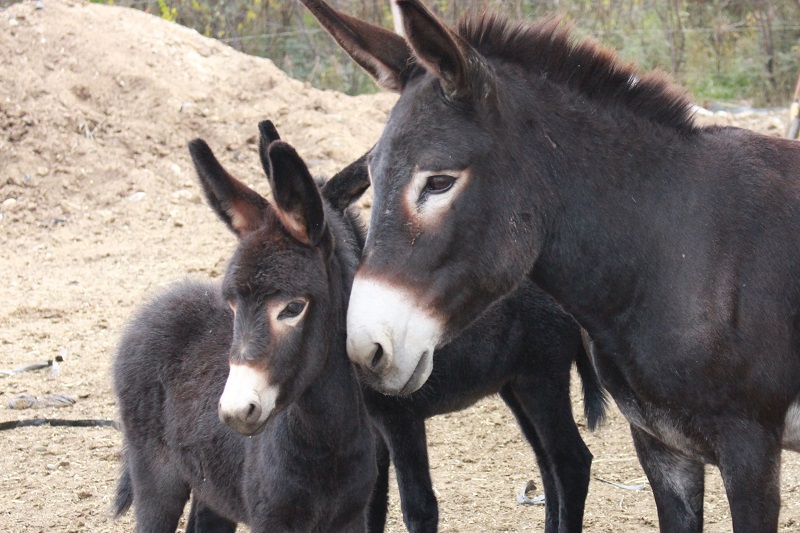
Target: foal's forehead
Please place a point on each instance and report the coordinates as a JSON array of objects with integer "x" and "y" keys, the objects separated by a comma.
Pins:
[{"x": 270, "y": 262}]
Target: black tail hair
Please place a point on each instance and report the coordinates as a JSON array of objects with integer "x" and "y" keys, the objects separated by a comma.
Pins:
[
  {"x": 595, "y": 401},
  {"x": 124, "y": 497}
]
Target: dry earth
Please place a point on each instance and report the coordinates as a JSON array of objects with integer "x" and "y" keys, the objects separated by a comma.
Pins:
[{"x": 99, "y": 208}]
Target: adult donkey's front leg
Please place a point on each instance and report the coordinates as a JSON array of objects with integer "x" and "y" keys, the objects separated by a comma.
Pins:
[
  {"x": 678, "y": 484},
  {"x": 750, "y": 464}
]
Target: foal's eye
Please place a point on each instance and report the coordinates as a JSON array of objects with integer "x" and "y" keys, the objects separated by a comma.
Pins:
[
  {"x": 438, "y": 184},
  {"x": 292, "y": 309}
]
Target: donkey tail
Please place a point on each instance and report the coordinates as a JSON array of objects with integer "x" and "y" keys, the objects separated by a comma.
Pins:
[
  {"x": 595, "y": 400},
  {"x": 124, "y": 498}
]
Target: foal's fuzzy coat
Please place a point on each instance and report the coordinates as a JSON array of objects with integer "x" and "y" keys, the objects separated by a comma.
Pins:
[{"x": 278, "y": 318}]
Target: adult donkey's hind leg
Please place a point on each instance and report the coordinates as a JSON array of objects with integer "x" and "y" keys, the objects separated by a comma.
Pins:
[
  {"x": 750, "y": 462},
  {"x": 405, "y": 436},
  {"x": 677, "y": 482},
  {"x": 379, "y": 498},
  {"x": 544, "y": 414},
  {"x": 552, "y": 500},
  {"x": 203, "y": 520}
]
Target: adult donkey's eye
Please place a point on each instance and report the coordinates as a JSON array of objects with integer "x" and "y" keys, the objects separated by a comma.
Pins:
[
  {"x": 438, "y": 184},
  {"x": 292, "y": 309}
]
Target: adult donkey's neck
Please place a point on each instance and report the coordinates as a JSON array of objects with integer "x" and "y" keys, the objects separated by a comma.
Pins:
[
  {"x": 628, "y": 201},
  {"x": 613, "y": 164}
]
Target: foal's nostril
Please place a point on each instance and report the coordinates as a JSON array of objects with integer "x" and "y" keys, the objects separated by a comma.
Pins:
[
  {"x": 253, "y": 412},
  {"x": 377, "y": 356}
]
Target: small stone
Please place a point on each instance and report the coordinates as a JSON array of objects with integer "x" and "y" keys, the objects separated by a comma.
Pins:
[
  {"x": 187, "y": 195},
  {"x": 39, "y": 449},
  {"x": 137, "y": 196},
  {"x": 13, "y": 22},
  {"x": 84, "y": 494},
  {"x": 50, "y": 466}
]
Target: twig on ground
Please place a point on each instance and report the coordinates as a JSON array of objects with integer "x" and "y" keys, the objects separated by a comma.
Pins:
[
  {"x": 34, "y": 366},
  {"x": 86, "y": 422},
  {"x": 622, "y": 485}
]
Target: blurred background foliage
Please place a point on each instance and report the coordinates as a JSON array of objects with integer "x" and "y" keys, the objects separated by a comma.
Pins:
[{"x": 719, "y": 49}]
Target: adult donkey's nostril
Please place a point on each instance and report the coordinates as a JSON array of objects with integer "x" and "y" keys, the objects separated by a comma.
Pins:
[{"x": 377, "y": 355}]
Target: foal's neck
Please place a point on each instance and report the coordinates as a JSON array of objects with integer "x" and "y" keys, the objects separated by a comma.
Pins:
[
  {"x": 328, "y": 411},
  {"x": 332, "y": 408}
]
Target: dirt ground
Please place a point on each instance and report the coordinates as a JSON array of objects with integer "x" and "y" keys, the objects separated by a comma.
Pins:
[{"x": 99, "y": 208}]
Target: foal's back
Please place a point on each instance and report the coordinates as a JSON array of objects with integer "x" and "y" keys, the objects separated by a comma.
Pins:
[{"x": 169, "y": 373}]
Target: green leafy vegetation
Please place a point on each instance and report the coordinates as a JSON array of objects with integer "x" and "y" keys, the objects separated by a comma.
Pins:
[{"x": 719, "y": 49}]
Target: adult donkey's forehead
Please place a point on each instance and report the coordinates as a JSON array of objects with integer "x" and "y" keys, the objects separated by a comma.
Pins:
[{"x": 427, "y": 143}]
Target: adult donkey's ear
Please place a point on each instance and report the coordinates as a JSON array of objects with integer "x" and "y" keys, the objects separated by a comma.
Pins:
[
  {"x": 348, "y": 185},
  {"x": 382, "y": 53},
  {"x": 298, "y": 200},
  {"x": 238, "y": 206},
  {"x": 441, "y": 51}
]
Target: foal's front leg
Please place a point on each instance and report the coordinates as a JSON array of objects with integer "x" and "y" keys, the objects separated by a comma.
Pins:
[
  {"x": 203, "y": 520},
  {"x": 677, "y": 482}
]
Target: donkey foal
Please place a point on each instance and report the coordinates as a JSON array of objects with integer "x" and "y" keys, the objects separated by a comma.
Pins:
[{"x": 269, "y": 346}]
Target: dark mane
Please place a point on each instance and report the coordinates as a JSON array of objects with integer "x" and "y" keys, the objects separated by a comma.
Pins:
[{"x": 595, "y": 72}]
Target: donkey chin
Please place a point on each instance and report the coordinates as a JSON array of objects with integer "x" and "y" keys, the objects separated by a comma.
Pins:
[{"x": 390, "y": 338}]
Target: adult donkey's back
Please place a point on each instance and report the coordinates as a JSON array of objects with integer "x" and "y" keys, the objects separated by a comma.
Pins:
[{"x": 514, "y": 152}]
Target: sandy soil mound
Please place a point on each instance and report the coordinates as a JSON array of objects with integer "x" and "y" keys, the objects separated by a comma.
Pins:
[
  {"x": 98, "y": 102},
  {"x": 99, "y": 207}
]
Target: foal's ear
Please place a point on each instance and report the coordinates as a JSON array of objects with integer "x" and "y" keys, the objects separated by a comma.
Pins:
[
  {"x": 439, "y": 50},
  {"x": 237, "y": 205},
  {"x": 348, "y": 185},
  {"x": 383, "y": 54},
  {"x": 298, "y": 200},
  {"x": 268, "y": 134}
]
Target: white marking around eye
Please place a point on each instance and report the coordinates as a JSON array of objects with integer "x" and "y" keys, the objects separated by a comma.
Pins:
[
  {"x": 434, "y": 205},
  {"x": 274, "y": 309}
]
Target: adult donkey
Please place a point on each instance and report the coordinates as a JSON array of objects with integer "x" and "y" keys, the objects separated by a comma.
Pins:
[{"x": 514, "y": 152}]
